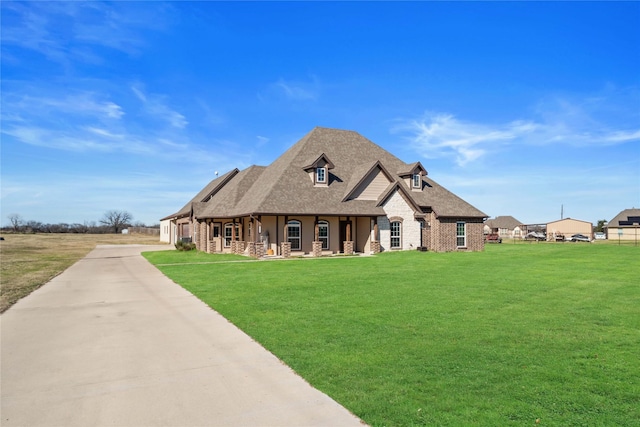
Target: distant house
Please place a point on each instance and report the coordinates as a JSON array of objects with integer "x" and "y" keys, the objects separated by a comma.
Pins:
[
  {"x": 505, "y": 226},
  {"x": 625, "y": 225},
  {"x": 334, "y": 191},
  {"x": 568, "y": 227}
]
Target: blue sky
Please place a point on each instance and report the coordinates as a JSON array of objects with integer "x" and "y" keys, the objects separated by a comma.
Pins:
[{"x": 520, "y": 108}]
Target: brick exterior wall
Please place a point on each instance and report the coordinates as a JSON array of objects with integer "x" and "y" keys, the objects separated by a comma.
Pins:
[
  {"x": 202, "y": 236},
  {"x": 445, "y": 234}
]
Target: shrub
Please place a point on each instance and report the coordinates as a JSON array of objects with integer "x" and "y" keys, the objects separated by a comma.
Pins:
[{"x": 185, "y": 246}]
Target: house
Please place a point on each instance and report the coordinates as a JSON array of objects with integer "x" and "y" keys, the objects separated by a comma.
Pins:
[
  {"x": 334, "y": 191},
  {"x": 568, "y": 227},
  {"x": 625, "y": 225},
  {"x": 504, "y": 226}
]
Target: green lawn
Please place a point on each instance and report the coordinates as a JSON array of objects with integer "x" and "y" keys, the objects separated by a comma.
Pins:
[{"x": 509, "y": 336}]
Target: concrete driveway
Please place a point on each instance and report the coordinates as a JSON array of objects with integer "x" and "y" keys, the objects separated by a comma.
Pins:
[{"x": 113, "y": 342}]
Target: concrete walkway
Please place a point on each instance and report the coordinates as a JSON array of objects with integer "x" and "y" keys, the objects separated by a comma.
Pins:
[{"x": 113, "y": 342}]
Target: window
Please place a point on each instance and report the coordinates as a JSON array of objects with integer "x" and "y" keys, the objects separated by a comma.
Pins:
[
  {"x": 293, "y": 234},
  {"x": 321, "y": 175},
  {"x": 396, "y": 232},
  {"x": 417, "y": 181},
  {"x": 228, "y": 233},
  {"x": 323, "y": 234},
  {"x": 461, "y": 234}
]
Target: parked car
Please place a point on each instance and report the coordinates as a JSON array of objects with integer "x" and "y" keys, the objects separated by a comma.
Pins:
[
  {"x": 535, "y": 235},
  {"x": 493, "y": 238},
  {"x": 560, "y": 237},
  {"x": 600, "y": 236},
  {"x": 579, "y": 238}
]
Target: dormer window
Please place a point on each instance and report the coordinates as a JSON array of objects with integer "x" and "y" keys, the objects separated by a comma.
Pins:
[
  {"x": 417, "y": 180},
  {"x": 318, "y": 170}
]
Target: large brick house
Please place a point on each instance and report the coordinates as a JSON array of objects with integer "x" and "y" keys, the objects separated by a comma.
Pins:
[{"x": 334, "y": 191}]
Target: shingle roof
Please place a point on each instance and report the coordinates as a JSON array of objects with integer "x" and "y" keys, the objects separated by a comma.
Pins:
[
  {"x": 206, "y": 193},
  {"x": 284, "y": 187},
  {"x": 625, "y": 218},
  {"x": 508, "y": 222}
]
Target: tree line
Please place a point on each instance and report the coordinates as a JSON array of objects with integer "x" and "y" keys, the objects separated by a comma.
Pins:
[{"x": 113, "y": 221}]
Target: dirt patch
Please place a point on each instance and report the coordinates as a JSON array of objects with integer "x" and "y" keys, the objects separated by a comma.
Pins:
[{"x": 30, "y": 260}]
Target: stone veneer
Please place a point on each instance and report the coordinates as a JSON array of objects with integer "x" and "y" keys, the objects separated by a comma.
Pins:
[
  {"x": 375, "y": 247},
  {"x": 256, "y": 249},
  {"x": 251, "y": 246},
  {"x": 286, "y": 249},
  {"x": 348, "y": 247},
  {"x": 317, "y": 248},
  {"x": 202, "y": 237}
]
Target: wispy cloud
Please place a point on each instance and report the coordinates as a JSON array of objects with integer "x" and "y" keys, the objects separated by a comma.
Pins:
[
  {"x": 81, "y": 103},
  {"x": 262, "y": 140},
  {"x": 440, "y": 134},
  {"x": 69, "y": 31},
  {"x": 155, "y": 105},
  {"x": 294, "y": 90},
  {"x": 557, "y": 120},
  {"x": 85, "y": 122}
]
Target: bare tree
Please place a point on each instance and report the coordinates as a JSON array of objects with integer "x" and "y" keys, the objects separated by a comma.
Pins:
[
  {"x": 117, "y": 220},
  {"x": 16, "y": 221}
]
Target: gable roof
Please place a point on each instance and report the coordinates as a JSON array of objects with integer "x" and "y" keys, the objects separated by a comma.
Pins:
[
  {"x": 626, "y": 218},
  {"x": 284, "y": 188},
  {"x": 317, "y": 162},
  {"x": 205, "y": 194},
  {"x": 506, "y": 221},
  {"x": 411, "y": 169}
]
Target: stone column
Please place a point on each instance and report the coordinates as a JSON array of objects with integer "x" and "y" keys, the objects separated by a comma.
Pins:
[
  {"x": 375, "y": 247},
  {"x": 285, "y": 248},
  {"x": 203, "y": 236},
  {"x": 348, "y": 247},
  {"x": 252, "y": 249},
  {"x": 317, "y": 248},
  {"x": 259, "y": 250}
]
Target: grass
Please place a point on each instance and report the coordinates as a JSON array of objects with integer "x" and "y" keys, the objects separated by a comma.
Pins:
[
  {"x": 544, "y": 334},
  {"x": 31, "y": 260}
]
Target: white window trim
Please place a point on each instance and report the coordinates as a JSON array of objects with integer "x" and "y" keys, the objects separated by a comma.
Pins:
[
  {"x": 463, "y": 236},
  {"x": 294, "y": 224},
  {"x": 322, "y": 171},
  {"x": 229, "y": 225},
  {"x": 392, "y": 237},
  {"x": 324, "y": 239},
  {"x": 417, "y": 181}
]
